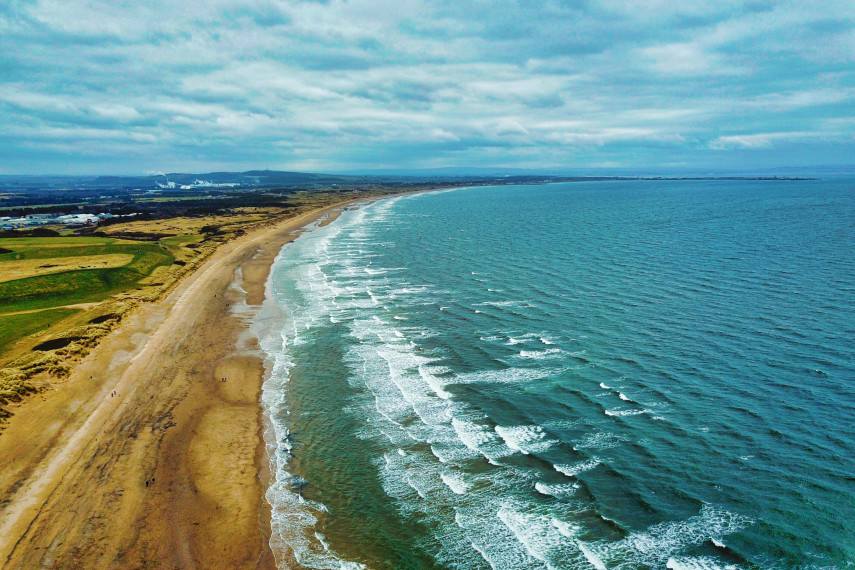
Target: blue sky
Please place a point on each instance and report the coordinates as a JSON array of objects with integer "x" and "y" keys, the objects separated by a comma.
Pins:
[{"x": 98, "y": 86}]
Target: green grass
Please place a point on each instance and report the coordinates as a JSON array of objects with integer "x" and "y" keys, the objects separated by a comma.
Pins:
[
  {"x": 73, "y": 241},
  {"x": 147, "y": 261},
  {"x": 52, "y": 252},
  {"x": 13, "y": 327},
  {"x": 76, "y": 286}
]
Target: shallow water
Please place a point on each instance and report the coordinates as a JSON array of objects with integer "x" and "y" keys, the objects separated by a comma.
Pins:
[{"x": 587, "y": 375}]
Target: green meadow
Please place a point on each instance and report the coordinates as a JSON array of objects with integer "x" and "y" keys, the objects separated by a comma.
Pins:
[
  {"x": 13, "y": 327},
  {"x": 44, "y": 296}
]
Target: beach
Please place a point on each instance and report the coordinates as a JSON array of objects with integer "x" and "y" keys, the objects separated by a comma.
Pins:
[{"x": 151, "y": 454}]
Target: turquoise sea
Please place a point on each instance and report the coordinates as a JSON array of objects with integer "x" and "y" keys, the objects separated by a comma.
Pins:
[{"x": 622, "y": 374}]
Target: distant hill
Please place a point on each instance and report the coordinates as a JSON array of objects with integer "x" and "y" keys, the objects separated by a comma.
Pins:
[
  {"x": 248, "y": 178},
  {"x": 251, "y": 178},
  {"x": 453, "y": 172}
]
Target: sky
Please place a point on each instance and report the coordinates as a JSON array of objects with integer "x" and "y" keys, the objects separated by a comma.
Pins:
[{"x": 125, "y": 87}]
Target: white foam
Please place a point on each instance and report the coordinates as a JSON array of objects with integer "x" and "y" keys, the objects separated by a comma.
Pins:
[
  {"x": 663, "y": 542},
  {"x": 323, "y": 541},
  {"x": 438, "y": 455},
  {"x": 489, "y": 338},
  {"x": 599, "y": 440},
  {"x": 521, "y": 526},
  {"x": 697, "y": 563},
  {"x": 542, "y": 538},
  {"x": 591, "y": 557},
  {"x": 502, "y": 303},
  {"x": 293, "y": 518},
  {"x": 572, "y": 531},
  {"x": 558, "y": 491},
  {"x": 456, "y": 482},
  {"x": 518, "y": 375},
  {"x": 621, "y": 413},
  {"x": 435, "y": 383},
  {"x": 565, "y": 528},
  {"x": 577, "y": 468},
  {"x": 526, "y": 439},
  {"x": 538, "y": 354},
  {"x": 418, "y": 491},
  {"x": 495, "y": 542},
  {"x": 480, "y": 438}
]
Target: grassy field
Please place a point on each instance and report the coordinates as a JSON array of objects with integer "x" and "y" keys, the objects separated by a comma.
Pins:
[
  {"x": 13, "y": 327},
  {"x": 23, "y": 268},
  {"x": 78, "y": 282}
]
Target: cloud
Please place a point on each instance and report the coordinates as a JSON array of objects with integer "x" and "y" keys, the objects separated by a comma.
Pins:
[
  {"x": 790, "y": 100},
  {"x": 755, "y": 141},
  {"x": 681, "y": 58},
  {"x": 363, "y": 83}
]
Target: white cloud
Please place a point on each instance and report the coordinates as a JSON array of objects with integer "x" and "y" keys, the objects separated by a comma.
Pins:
[
  {"x": 688, "y": 58},
  {"x": 118, "y": 113},
  {"x": 790, "y": 100},
  {"x": 755, "y": 141},
  {"x": 363, "y": 82}
]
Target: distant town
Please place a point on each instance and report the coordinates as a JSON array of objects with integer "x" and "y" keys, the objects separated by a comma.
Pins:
[{"x": 196, "y": 184}]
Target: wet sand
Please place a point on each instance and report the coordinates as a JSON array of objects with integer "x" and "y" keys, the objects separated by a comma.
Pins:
[{"x": 145, "y": 457}]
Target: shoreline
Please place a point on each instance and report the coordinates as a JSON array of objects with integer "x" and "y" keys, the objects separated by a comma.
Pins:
[{"x": 145, "y": 456}]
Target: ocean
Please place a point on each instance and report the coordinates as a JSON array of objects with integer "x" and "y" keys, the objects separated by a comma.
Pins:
[{"x": 615, "y": 374}]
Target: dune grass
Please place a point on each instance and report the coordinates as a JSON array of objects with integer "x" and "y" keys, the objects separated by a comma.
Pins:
[
  {"x": 176, "y": 241},
  {"x": 14, "y": 327},
  {"x": 23, "y": 268}
]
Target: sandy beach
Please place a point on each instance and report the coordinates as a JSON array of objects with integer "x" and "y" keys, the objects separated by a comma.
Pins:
[{"x": 146, "y": 457}]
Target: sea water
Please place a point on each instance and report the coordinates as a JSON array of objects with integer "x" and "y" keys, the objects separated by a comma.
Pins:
[{"x": 621, "y": 374}]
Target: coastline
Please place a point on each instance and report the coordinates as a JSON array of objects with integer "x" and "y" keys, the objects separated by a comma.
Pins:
[{"x": 171, "y": 470}]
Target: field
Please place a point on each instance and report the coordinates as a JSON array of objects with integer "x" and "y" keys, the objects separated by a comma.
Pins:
[
  {"x": 20, "y": 269},
  {"x": 15, "y": 326},
  {"x": 87, "y": 270}
]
